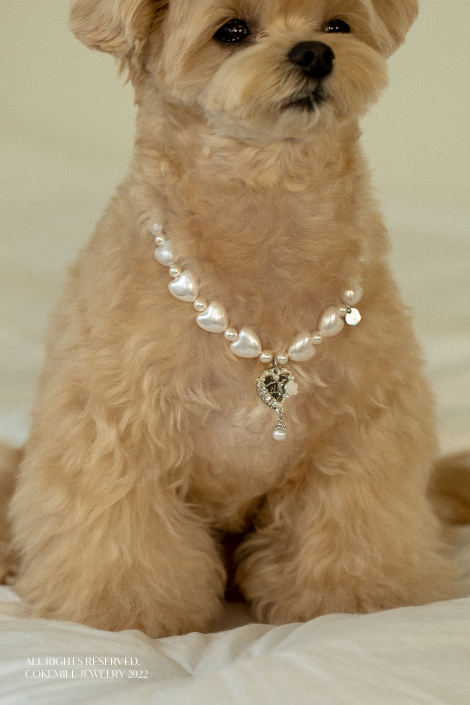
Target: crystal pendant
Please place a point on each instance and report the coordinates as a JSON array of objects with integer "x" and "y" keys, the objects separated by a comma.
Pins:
[{"x": 275, "y": 386}]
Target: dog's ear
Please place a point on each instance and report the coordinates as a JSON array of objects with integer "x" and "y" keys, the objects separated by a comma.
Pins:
[
  {"x": 396, "y": 17},
  {"x": 120, "y": 27}
]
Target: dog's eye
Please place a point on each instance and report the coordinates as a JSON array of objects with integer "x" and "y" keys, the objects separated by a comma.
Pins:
[
  {"x": 336, "y": 26},
  {"x": 232, "y": 31}
]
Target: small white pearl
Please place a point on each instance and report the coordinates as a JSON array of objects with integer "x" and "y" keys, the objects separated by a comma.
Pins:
[
  {"x": 282, "y": 359},
  {"x": 175, "y": 271},
  {"x": 317, "y": 337},
  {"x": 159, "y": 240},
  {"x": 343, "y": 310},
  {"x": 266, "y": 357},
  {"x": 155, "y": 228},
  {"x": 200, "y": 305},
  {"x": 279, "y": 434},
  {"x": 231, "y": 334}
]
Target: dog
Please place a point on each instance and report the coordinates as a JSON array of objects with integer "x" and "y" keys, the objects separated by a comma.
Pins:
[{"x": 230, "y": 355}]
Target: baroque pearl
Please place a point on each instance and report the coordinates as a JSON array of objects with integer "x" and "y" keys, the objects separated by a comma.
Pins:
[
  {"x": 214, "y": 319},
  {"x": 159, "y": 240},
  {"x": 301, "y": 348},
  {"x": 164, "y": 254},
  {"x": 185, "y": 287},
  {"x": 353, "y": 295},
  {"x": 247, "y": 344},
  {"x": 279, "y": 434},
  {"x": 331, "y": 322}
]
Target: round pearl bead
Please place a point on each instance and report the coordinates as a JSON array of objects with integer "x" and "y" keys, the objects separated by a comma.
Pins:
[
  {"x": 231, "y": 334},
  {"x": 317, "y": 337},
  {"x": 175, "y": 271},
  {"x": 279, "y": 434},
  {"x": 159, "y": 240},
  {"x": 200, "y": 305},
  {"x": 266, "y": 357},
  {"x": 282, "y": 359},
  {"x": 156, "y": 228},
  {"x": 343, "y": 310}
]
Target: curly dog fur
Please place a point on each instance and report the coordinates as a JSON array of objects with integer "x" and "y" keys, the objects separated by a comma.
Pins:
[{"x": 149, "y": 441}]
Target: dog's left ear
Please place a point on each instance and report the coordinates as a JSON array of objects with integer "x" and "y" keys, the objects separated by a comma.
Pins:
[
  {"x": 119, "y": 27},
  {"x": 396, "y": 17}
]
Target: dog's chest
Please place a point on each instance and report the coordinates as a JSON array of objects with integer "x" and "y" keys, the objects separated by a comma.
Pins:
[{"x": 236, "y": 461}]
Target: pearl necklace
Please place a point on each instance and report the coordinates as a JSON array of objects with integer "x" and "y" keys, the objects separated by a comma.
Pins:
[{"x": 276, "y": 384}]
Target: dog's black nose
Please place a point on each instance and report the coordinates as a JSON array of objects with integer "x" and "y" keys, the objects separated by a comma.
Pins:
[{"x": 314, "y": 58}]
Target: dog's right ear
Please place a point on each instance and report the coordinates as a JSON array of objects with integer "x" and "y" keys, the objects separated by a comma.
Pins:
[
  {"x": 396, "y": 17},
  {"x": 120, "y": 27}
]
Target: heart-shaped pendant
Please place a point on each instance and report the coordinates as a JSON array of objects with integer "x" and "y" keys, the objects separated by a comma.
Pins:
[
  {"x": 302, "y": 348},
  {"x": 274, "y": 387},
  {"x": 247, "y": 344},
  {"x": 214, "y": 318},
  {"x": 184, "y": 287}
]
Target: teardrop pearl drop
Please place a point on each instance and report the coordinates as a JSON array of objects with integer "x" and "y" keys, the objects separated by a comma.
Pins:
[{"x": 279, "y": 434}]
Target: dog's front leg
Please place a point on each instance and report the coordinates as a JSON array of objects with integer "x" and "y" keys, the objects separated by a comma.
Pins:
[
  {"x": 105, "y": 539},
  {"x": 361, "y": 540}
]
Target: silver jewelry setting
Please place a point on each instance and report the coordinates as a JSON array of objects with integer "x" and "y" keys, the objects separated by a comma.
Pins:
[{"x": 275, "y": 386}]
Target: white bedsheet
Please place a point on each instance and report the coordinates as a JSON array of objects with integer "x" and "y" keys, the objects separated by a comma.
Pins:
[
  {"x": 417, "y": 655},
  {"x": 421, "y": 655}
]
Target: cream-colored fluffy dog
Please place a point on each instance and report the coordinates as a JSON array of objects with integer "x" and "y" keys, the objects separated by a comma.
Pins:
[{"x": 152, "y": 436}]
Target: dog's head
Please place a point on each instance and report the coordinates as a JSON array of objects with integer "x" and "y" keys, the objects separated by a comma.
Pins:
[{"x": 264, "y": 70}]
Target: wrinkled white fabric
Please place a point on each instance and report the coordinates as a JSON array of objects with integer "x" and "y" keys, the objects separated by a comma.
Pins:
[{"x": 414, "y": 655}]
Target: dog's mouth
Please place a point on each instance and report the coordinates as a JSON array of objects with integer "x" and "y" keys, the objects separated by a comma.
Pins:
[{"x": 308, "y": 102}]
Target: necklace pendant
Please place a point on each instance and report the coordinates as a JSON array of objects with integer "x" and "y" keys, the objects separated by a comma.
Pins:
[{"x": 275, "y": 386}]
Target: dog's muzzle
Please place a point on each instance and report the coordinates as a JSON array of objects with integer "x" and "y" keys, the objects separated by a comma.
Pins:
[{"x": 315, "y": 60}]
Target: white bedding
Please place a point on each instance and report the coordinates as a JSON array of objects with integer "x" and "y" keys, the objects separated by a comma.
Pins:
[
  {"x": 420, "y": 656},
  {"x": 417, "y": 655}
]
